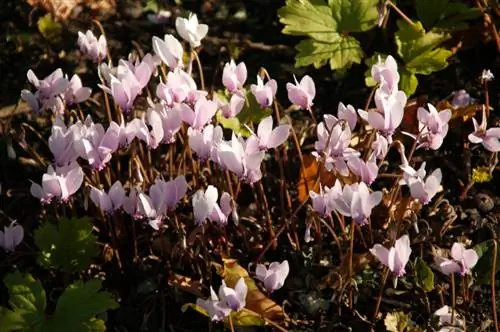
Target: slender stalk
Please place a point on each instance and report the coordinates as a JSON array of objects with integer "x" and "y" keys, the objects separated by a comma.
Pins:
[
  {"x": 403, "y": 15},
  {"x": 493, "y": 293},
  {"x": 453, "y": 297},
  {"x": 231, "y": 326},
  {"x": 381, "y": 293},
  {"x": 200, "y": 69},
  {"x": 268, "y": 214},
  {"x": 351, "y": 249}
]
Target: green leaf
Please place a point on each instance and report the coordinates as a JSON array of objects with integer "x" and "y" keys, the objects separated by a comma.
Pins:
[
  {"x": 408, "y": 82},
  {"x": 69, "y": 245},
  {"x": 396, "y": 321},
  {"x": 419, "y": 49},
  {"x": 482, "y": 270},
  {"x": 424, "y": 275},
  {"x": 340, "y": 53},
  {"x": 328, "y": 26},
  {"x": 80, "y": 303},
  {"x": 250, "y": 114},
  {"x": 311, "y": 18},
  {"x": 354, "y": 16},
  {"x": 445, "y": 14},
  {"x": 27, "y": 299},
  {"x": 50, "y": 29}
]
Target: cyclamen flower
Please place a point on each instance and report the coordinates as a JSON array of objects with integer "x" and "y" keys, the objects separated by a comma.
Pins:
[
  {"x": 489, "y": 138},
  {"x": 111, "y": 201},
  {"x": 367, "y": 171},
  {"x": 61, "y": 143},
  {"x": 347, "y": 113},
  {"x": 463, "y": 260},
  {"x": 205, "y": 206},
  {"x": 241, "y": 158},
  {"x": 274, "y": 277},
  {"x": 234, "y": 107},
  {"x": 165, "y": 123},
  {"x": 11, "y": 236},
  {"x": 229, "y": 299},
  {"x": 205, "y": 143},
  {"x": 234, "y": 76},
  {"x": 93, "y": 143},
  {"x": 333, "y": 144},
  {"x": 461, "y": 98},
  {"x": 235, "y": 299},
  {"x": 386, "y": 74},
  {"x": 169, "y": 50},
  {"x": 420, "y": 189},
  {"x": 389, "y": 114},
  {"x": 49, "y": 94},
  {"x": 190, "y": 30},
  {"x": 320, "y": 202},
  {"x": 380, "y": 146},
  {"x": 445, "y": 315},
  {"x": 396, "y": 257},
  {"x": 163, "y": 197},
  {"x": 433, "y": 127},
  {"x": 303, "y": 93},
  {"x": 95, "y": 49},
  {"x": 267, "y": 137},
  {"x": 264, "y": 94},
  {"x": 76, "y": 93},
  {"x": 203, "y": 112},
  {"x": 355, "y": 201},
  {"x": 61, "y": 183},
  {"x": 180, "y": 87}
]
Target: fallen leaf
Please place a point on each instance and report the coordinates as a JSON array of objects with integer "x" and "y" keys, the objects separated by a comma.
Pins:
[{"x": 310, "y": 182}]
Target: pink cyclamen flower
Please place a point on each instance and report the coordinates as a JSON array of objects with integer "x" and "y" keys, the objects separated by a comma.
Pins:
[
  {"x": 203, "y": 143},
  {"x": 235, "y": 299},
  {"x": 201, "y": 115},
  {"x": 110, "y": 201},
  {"x": 274, "y": 277},
  {"x": 205, "y": 206},
  {"x": 461, "y": 98},
  {"x": 216, "y": 309},
  {"x": 241, "y": 158},
  {"x": 11, "y": 236},
  {"x": 62, "y": 183},
  {"x": 190, "y": 30},
  {"x": 234, "y": 107},
  {"x": 269, "y": 138},
  {"x": 61, "y": 143},
  {"x": 93, "y": 143},
  {"x": 264, "y": 93},
  {"x": 76, "y": 93},
  {"x": 347, "y": 113},
  {"x": 303, "y": 93},
  {"x": 234, "y": 76},
  {"x": 489, "y": 138},
  {"x": 389, "y": 114},
  {"x": 95, "y": 49},
  {"x": 396, "y": 257},
  {"x": 165, "y": 123},
  {"x": 354, "y": 200},
  {"x": 433, "y": 127},
  {"x": 463, "y": 260},
  {"x": 49, "y": 94},
  {"x": 386, "y": 74},
  {"x": 366, "y": 171},
  {"x": 170, "y": 51},
  {"x": 421, "y": 189}
]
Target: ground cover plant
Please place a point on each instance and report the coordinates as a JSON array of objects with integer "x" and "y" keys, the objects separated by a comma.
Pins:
[{"x": 170, "y": 184}]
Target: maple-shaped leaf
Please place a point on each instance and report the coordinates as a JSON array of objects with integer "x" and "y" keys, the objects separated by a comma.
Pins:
[
  {"x": 80, "y": 303},
  {"x": 328, "y": 25},
  {"x": 68, "y": 245},
  {"x": 445, "y": 14},
  {"x": 420, "y": 53},
  {"x": 27, "y": 300}
]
